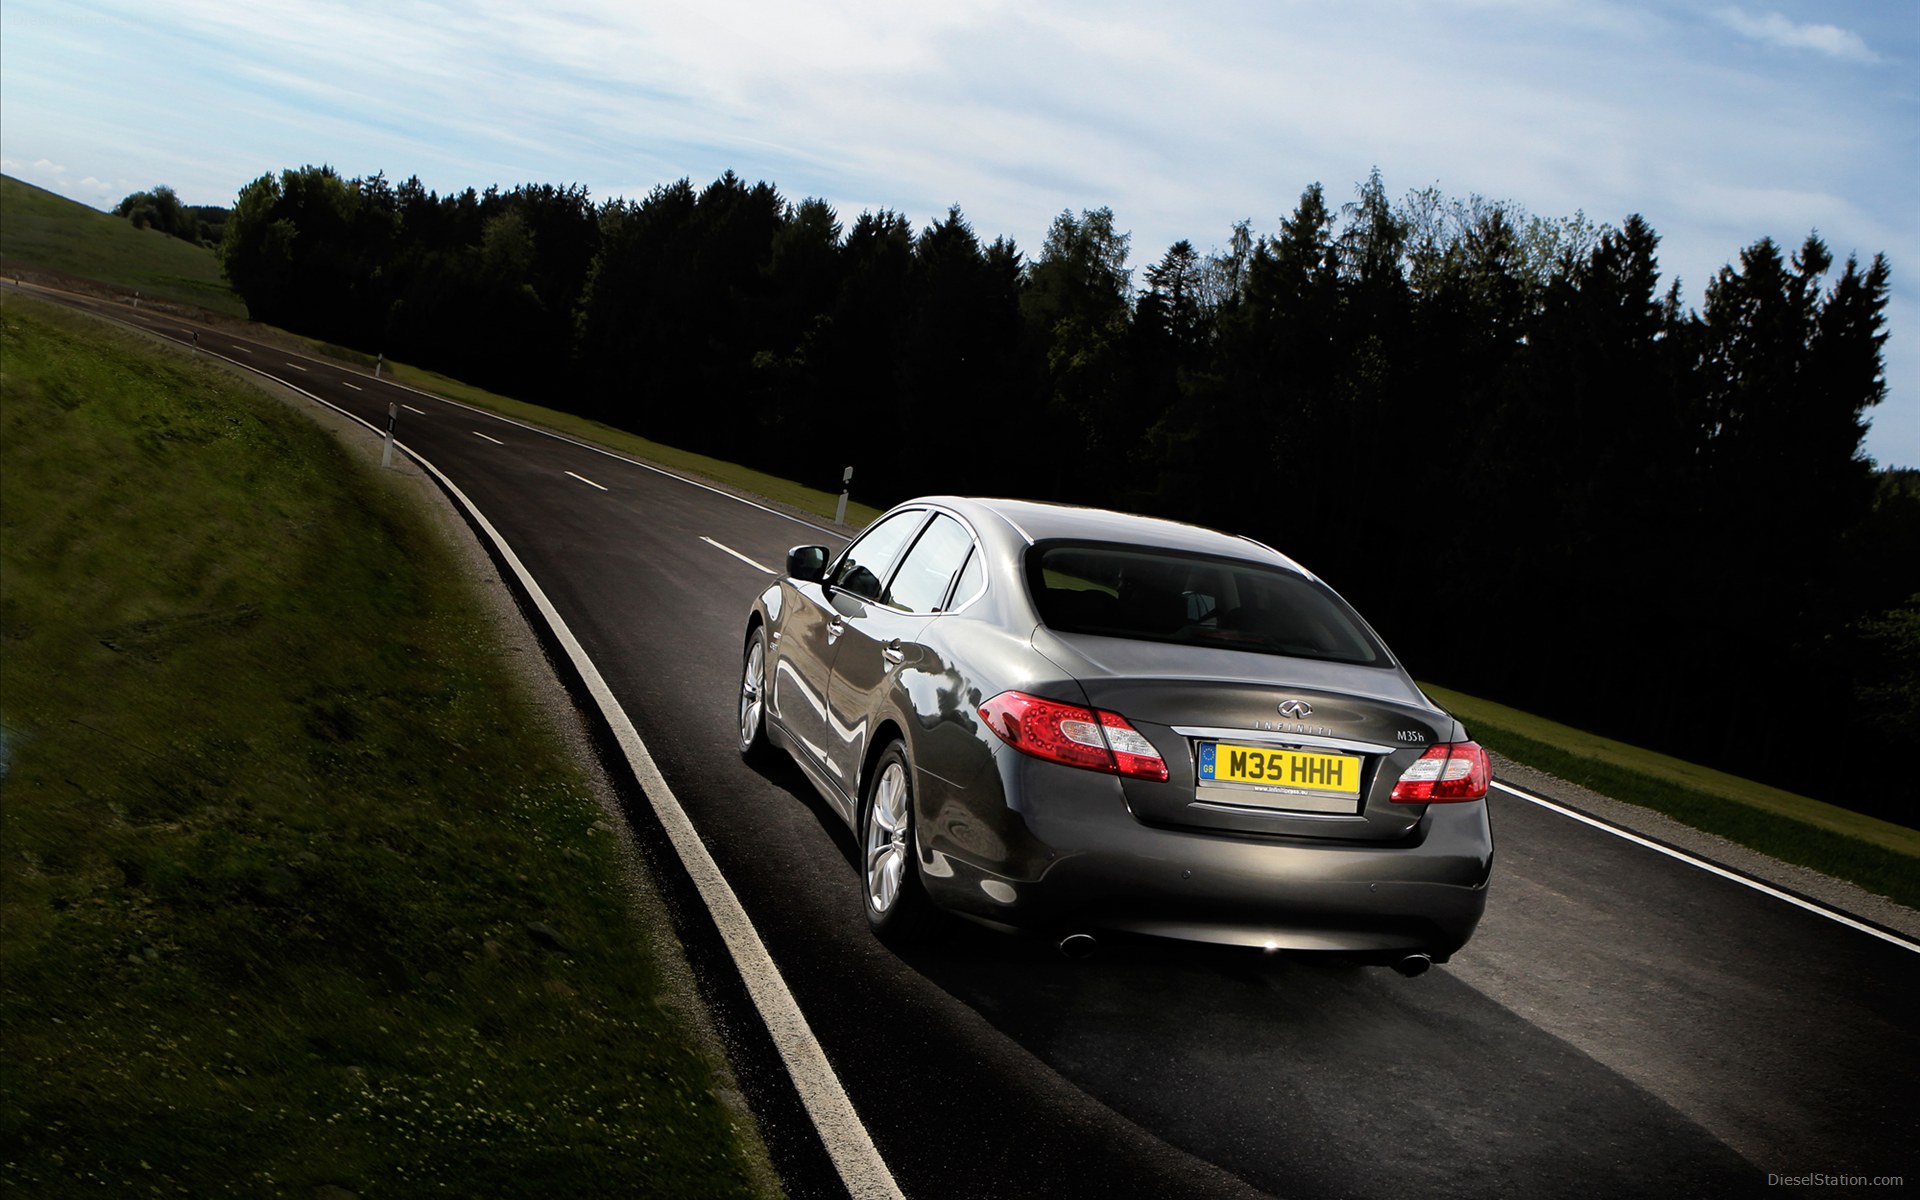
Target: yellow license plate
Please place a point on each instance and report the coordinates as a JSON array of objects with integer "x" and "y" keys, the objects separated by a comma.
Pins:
[{"x": 1281, "y": 770}]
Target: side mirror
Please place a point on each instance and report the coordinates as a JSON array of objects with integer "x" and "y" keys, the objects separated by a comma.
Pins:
[{"x": 808, "y": 563}]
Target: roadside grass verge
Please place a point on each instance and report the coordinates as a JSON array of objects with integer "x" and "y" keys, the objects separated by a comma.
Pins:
[
  {"x": 297, "y": 888},
  {"x": 1880, "y": 856},
  {"x": 55, "y": 233}
]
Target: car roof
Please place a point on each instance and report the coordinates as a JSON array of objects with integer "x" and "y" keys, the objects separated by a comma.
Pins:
[{"x": 1036, "y": 521}]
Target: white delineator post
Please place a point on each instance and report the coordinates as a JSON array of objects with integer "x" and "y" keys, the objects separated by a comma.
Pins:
[
  {"x": 386, "y": 451},
  {"x": 846, "y": 485}
]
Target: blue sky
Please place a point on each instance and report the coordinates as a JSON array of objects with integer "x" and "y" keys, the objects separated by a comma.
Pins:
[{"x": 1719, "y": 122}]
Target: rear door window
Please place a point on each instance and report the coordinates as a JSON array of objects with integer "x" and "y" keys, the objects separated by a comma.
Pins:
[{"x": 927, "y": 572}]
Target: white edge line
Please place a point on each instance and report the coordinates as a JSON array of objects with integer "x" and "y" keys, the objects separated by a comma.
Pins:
[
  {"x": 743, "y": 558},
  {"x": 847, "y": 1141},
  {"x": 861, "y": 1168},
  {"x": 1712, "y": 868},
  {"x": 494, "y": 440},
  {"x": 581, "y": 478}
]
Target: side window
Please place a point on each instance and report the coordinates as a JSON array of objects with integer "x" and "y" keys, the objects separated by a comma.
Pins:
[
  {"x": 973, "y": 580},
  {"x": 921, "y": 582},
  {"x": 865, "y": 563}
]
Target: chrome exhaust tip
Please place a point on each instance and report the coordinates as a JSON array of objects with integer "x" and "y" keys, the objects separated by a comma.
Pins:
[
  {"x": 1413, "y": 964},
  {"x": 1078, "y": 945}
]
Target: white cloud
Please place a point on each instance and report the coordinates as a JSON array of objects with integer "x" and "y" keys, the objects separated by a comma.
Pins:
[
  {"x": 1182, "y": 119},
  {"x": 1778, "y": 30}
]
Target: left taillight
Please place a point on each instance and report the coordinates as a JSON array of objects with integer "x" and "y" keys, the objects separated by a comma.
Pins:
[
  {"x": 1090, "y": 738},
  {"x": 1446, "y": 774}
]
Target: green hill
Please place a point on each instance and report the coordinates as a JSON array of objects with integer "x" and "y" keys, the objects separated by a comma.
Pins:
[{"x": 40, "y": 231}]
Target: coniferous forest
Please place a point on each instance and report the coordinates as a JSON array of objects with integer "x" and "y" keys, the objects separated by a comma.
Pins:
[{"x": 1541, "y": 476}]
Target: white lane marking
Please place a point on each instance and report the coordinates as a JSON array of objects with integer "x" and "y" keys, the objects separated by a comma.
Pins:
[
  {"x": 743, "y": 558},
  {"x": 296, "y": 366},
  {"x": 410, "y": 408},
  {"x": 243, "y": 350},
  {"x": 356, "y": 387},
  {"x": 849, "y": 1145},
  {"x": 585, "y": 480},
  {"x": 862, "y": 1170},
  {"x": 842, "y": 534},
  {"x": 495, "y": 441},
  {"x": 1713, "y": 868}
]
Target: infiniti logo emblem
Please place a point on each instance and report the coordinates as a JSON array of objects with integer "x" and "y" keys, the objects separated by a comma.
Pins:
[{"x": 1295, "y": 708}]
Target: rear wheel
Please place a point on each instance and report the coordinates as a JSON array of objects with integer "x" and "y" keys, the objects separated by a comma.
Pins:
[
  {"x": 897, "y": 905},
  {"x": 753, "y": 694}
]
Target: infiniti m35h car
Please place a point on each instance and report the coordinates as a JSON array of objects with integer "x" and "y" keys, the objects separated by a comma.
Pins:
[{"x": 1075, "y": 721}]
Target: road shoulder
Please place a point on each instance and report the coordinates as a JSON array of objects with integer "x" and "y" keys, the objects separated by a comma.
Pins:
[{"x": 1834, "y": 893}]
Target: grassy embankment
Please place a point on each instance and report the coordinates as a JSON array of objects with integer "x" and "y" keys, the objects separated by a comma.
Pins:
[
  {"x": 1878, "y": 855},
  {"x": 53, "y": 233},
  {"x": 297, "y": 888}
]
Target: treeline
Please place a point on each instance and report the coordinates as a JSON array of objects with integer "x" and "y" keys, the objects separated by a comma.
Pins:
[
  {"x": 160, "y": 209},
  {"x": 1541, "y": 475}
]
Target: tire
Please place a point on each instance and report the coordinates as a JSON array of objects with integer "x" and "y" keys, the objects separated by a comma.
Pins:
[
  {"x": 898, "y": 910},
  {"x": 754, "y": 746}
]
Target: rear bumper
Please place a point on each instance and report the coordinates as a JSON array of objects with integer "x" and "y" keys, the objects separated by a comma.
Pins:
[{"x": 1075, "y": 859}]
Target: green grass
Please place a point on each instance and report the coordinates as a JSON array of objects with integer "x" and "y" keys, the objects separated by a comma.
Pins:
[
  {"x": 1880, "y": 856},
  {"x": 40, "y": 229},
  {"x": 281, "y": 840}
]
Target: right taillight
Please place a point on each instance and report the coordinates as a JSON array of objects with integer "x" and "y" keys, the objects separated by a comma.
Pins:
[{"x": 1444, "y": 774}]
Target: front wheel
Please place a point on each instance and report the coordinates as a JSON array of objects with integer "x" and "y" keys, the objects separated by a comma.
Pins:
[{"x": 897, "y": 905}]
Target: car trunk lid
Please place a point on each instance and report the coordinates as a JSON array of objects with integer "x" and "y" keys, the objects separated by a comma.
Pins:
[{"x": 1261, "y": 743}]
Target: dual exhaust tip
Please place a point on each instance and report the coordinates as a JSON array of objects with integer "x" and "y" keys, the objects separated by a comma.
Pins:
[{"x": 1081, "y": 945}]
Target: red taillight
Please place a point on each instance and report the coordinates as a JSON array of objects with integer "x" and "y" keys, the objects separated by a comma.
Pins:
[
  {"x": 1445, "y": 774},
  {"x": 1091, "y": 738}
]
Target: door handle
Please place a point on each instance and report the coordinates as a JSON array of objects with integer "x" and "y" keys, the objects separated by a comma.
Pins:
[
  {"x": 835, "y": 628},
  {"x": 893, "y": 653}
]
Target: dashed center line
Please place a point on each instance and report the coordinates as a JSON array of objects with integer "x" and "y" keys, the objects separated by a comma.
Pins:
[
  {"x": 478, "y": 434},
  {"x": 296, "y": 366},
  {"x": 743, "y": 558},
  {"x": 423, "y": 412},
  {"x": 356, "y": 387},
  {"x": 589, "y": 482}
]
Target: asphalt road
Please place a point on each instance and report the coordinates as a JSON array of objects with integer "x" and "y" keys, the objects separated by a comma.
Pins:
[{"x": 1624, "y": 1023}]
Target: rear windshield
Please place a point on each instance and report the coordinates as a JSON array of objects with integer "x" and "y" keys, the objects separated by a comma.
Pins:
[{"x": 1165, "y": 596}]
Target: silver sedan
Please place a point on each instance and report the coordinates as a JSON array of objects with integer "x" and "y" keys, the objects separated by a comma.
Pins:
[{"x": 1077, "y": 721}]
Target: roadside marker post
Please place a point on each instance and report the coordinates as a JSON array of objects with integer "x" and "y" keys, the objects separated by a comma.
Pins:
[
  {"x": 386, "y": 451},
  {"x": 846, "y": 485},
  {"x": 378, "y": 363}
]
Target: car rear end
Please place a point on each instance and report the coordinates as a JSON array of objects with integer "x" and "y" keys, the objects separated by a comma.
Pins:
[{"x": 1240, "y": 760}]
